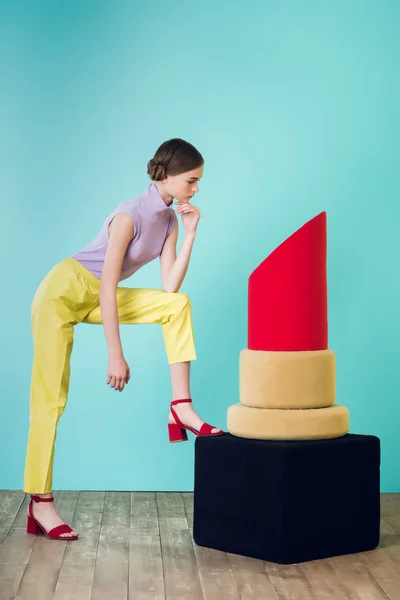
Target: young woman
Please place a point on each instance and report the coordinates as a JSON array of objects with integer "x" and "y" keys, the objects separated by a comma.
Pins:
[{"x": 84, "y": 288}]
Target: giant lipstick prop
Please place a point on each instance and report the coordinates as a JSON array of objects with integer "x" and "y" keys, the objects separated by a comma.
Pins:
[
  {"x": 290, "y": 494},
  {"x": 287, "y": 375}
]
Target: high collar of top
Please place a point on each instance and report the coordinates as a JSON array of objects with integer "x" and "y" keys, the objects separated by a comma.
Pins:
[{"x": 156, "y": 199}]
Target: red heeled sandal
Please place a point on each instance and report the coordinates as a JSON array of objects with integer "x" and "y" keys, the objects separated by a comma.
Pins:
[
  {"x": 177, "y": 431},
  {"x": 36, "y": 528}
]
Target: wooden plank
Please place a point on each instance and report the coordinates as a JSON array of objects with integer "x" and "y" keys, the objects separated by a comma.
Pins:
[
  {"x": 182, "y": 581},
  {"x": 390, "y": 542},
  {"x": 10, "y": 503},
  {"x": 146, "y": 578},
  {"x": 40, "y": 576},
  {"x": 111, "y": 574},
  {"x": 388, "y": 504},
  {"x": 216, "y": 577},
  {"x": 288, "y": 581},
  {"x": 10, "y": 577},
  {"x": 385, "y": 572},
  {"x": 89, "y": 514},
  {"x": 21, "y": 517},
  {"x": 144, "y": 504},
  {"x": 357, "y": 580},
  {"x": 170, "y": 505},
  {"x": 251, "y": 577},
  {"x": 393, "y": 521},
  {"x": 323, "y": 580},
  {"x": 188, "y": 503},
  {"x": 16, "y": 546},
  {"x": 383, "y": 562},
  {"x": 77, "y": 570}
]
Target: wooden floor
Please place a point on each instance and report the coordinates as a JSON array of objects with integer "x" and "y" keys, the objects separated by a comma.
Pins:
[{"x": 139, "y": 546}]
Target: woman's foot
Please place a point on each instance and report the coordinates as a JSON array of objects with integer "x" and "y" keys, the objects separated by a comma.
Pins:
[
  {"x": 46, "y": 514},
  {"x": 188, "y": 416}
]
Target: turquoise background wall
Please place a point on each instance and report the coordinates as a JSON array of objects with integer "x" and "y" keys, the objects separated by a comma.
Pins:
[{"x": 294, "y": 106}]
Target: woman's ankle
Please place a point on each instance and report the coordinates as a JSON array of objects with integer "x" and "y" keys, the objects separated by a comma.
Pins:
[{"x": 48, "y": 495}]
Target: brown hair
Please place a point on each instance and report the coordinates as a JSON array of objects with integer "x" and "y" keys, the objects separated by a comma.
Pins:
[{"x": 173, "y": 157}]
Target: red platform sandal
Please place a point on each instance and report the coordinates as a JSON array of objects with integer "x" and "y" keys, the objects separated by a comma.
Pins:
[
  {"x": 35, "y": 527},
  {"x": 177, "y": 431}
]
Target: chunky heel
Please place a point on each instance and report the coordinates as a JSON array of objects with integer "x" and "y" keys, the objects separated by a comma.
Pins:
[
  {"x": 176, "y": 433},
  {"x": 31, "y": 527}
]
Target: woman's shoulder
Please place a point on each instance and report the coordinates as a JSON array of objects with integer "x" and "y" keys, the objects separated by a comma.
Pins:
[{"x": 126, "y": 206}]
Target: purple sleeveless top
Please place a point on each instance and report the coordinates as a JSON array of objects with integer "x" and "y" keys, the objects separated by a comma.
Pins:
[{"x": 153, "y": 222}]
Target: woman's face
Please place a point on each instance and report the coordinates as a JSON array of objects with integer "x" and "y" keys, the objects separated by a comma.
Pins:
[{"x": 184, "y": 186}]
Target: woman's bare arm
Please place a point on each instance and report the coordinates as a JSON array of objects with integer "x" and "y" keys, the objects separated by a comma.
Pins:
[
  {"x": 120, "y": 232},
  {"x": 173, "y": 267}
]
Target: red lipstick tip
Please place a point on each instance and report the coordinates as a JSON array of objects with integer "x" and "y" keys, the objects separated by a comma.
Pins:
[{"x": 287, "y": 293}]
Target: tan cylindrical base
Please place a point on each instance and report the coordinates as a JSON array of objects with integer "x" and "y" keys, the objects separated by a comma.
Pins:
[
  {"x": 287, "y": 379},
  {"x": 283, "y": 424}
]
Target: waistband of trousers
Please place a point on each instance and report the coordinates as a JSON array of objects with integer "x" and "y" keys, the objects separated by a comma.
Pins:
[{"x": 83, "y": 271}]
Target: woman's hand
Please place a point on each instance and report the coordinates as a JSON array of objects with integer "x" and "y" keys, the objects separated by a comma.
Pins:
[
  {"x": 118, "y": 373},
  {"x": 190, "y": 216}
]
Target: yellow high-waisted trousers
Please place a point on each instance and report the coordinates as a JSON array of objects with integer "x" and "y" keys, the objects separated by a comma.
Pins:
[{"x": 69, "y": 294}]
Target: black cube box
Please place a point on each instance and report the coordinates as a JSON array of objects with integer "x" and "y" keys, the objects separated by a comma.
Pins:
[{"x": 287, "y": 501}]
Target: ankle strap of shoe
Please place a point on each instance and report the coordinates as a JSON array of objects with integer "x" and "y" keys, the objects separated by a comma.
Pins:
[
  {"x": 182, "y": 400},
  {"x": 39, "y": 499}
]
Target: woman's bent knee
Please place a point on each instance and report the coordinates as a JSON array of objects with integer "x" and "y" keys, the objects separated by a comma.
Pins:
[{"x": 183, "y": 299}]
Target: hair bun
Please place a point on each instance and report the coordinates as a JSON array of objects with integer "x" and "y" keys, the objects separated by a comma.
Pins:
[{"x": 155, "y": 170}]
